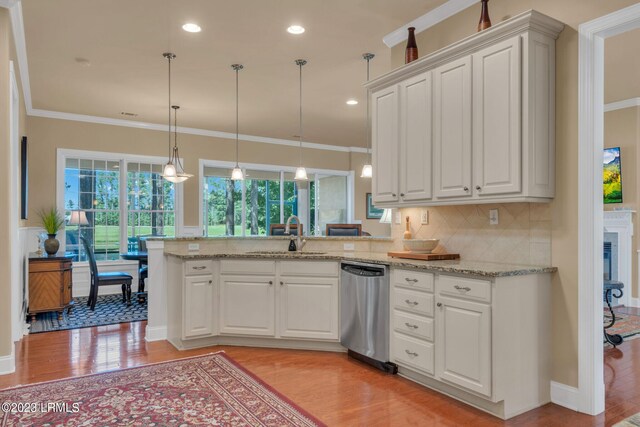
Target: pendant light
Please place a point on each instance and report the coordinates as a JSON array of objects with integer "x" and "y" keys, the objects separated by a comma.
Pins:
[
  {"x": 367, "y": 169},
  {"x": 237, "y": 174},
  {"x": 173, "y": 170},
  {"x": 301, "y": 172}
]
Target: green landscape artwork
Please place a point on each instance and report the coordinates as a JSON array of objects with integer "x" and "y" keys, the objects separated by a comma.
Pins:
[{"x": 611, "y": 176}]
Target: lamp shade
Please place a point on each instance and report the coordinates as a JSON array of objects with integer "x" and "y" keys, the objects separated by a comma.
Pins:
[
  {"x": 236, "y": 174},
  {"x": 78, "y": 218},
  {"x": 367, "y": 171},
  {"x": 301, "y": 174},
  {"x": 386, "y": 216},
  {"x": 169, "y": 170}
]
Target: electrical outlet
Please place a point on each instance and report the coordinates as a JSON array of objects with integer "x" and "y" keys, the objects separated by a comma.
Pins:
[
  {"x": 398, "y": 218},
  {"x": 493, "y": 216},
  {"x": 424, "y": 217},
  {"x": 194, "y": 246},
  {"x": 349, "y": 247}
]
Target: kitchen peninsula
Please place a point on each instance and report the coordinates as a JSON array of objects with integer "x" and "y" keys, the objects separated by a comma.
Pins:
[{"x": 476, "y": 331}]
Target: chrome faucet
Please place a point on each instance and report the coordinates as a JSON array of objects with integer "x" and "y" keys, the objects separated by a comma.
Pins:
[{"x": 300, "y": 242}]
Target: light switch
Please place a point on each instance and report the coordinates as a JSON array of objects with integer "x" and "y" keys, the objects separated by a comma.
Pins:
[
  {"x": 493, "y": 216},
  {"x": 194, "y": 246},
  {"x": 424, "y": 217},
  {"x": 349, "y": 247}
]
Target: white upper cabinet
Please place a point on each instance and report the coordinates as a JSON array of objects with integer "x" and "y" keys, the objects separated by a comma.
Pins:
[
  {"x": 384, "y": 143},
  {"x": 470, "y": 123},
  {"x": 497, "y": 143},
  {"x": 415, "y": 138},
  {"x": 452, "y": 118}
]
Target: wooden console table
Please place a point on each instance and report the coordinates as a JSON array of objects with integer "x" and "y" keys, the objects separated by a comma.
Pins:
[{"x": 50, "y": 283}]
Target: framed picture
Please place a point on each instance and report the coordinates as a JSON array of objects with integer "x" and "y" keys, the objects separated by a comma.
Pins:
[
  {"x": 24, "y": 179},
  {"x": 372, "y": 211},
  {"x": 612, "y": 176}
]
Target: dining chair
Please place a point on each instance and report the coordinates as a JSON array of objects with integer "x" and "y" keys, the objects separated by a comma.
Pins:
[
  {"x": 105, "y": 279},
  {"x": 343, "y": 230},
  {"x": 278, "y": 229}
]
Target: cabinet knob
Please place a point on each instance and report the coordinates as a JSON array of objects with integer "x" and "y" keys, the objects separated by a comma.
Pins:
[
  {"x": 439, "y": 304},
  {"x": 466, "y": 188},
  {"x": 281, "y": 283},
  {"x": 271, "y": 282},
  {"x": 478, "y": 188},
  {"x": 393, "y": 194},
  {"x": 401, "y": 194},
  {"x": 210, "y": 281}
]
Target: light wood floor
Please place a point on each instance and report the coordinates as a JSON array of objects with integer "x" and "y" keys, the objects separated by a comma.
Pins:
[{"x": 339, "y": 391}]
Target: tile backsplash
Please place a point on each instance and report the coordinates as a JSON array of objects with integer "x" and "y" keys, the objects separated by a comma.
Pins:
[{"x": 522, "y": 236}]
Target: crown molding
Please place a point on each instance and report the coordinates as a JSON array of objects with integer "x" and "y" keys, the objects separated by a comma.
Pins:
[
  {"x": 428, "y": 20},
  {"x": 17, "y": 25},
  {"x": 619, "y": 105},
  {"x": 190, "y": 131},
  {"x": 7, "y": 4}
]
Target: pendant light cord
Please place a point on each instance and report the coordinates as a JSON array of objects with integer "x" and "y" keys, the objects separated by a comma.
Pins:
[
  {"x": 300, "y": 63},
  {"x": 368, "y": 57},
  {"x": 170, "y": 151},
  {"x": 237, "y": 114}
]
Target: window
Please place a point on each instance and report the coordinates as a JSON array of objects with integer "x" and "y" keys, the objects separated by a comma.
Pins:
[
  {"x": 93, "y": 186},
  {"x": 150, "y": 203},
  {"x": 270, "y": 196},
  {"x": 116, "y": 216}
]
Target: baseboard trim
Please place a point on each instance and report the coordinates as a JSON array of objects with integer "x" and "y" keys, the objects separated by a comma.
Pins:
[
  {"x": 7, "y": 364},
  {"x": 634, "y": 302},
  {"x": 156, "y": 333},
  {"x": 564, "y": 395}
]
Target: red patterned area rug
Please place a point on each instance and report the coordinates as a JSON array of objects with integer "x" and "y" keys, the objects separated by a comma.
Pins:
[
  {"x": 211, "y": 390},
  {"x": 626, "y": 325}
]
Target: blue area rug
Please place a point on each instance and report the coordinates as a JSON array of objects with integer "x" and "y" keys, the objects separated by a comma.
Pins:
[{"x": 110, "y": 310}]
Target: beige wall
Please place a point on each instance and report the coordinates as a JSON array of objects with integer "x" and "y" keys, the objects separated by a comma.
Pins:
[
  {"x": 362, "y": 186},
  {"x": 564, "y": 209},
  {"x": 47, "y": 135},
  {"x": 621, "y": 129}
]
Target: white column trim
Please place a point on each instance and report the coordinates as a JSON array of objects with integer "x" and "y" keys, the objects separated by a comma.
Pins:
[
  {"x": 590, "y": 206},
  {"x": 157, "y": 293},
  {"x": 8, "y": 363},
  {"x": 621, "y": 223}
]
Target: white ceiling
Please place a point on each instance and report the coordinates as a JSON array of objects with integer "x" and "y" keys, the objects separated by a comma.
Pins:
[{"x": 124, "y": 40}]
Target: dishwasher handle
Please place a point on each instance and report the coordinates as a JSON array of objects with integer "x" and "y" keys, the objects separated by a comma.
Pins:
[{"x": 363, "y": 271}]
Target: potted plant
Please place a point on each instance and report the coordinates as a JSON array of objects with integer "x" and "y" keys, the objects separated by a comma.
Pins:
[{"x": 52, "y": 222}]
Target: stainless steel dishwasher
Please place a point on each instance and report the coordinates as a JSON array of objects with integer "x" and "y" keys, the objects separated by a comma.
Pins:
[{"x": 364, "y": 313}]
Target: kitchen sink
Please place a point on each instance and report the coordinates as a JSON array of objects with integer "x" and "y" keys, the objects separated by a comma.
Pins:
[{"x": 285, "y": 253}]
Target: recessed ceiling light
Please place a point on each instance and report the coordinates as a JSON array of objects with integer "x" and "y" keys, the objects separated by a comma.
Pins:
[
  {"x": 352, "y": 102},
  {"x": 295, "y": 29},
  {"x": 190, "y": 27}
]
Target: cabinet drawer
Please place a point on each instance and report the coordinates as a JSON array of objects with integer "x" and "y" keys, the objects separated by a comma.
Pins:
[
  {"x": 412, "y": 352},
  {"x": 238, "y": 266},
  {"x": 421, "y": 327},
  {"x": 198, "y": 267},
  {"x": 416, "y": 301},
  {"x": 475, "y": 289},
  {"x": 309, "y": 268},
  {"x": 413, "y": 279}
]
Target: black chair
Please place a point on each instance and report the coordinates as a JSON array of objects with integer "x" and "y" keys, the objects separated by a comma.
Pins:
[
  {"x": 105, "y": 279},
  {"x": 143, "y": 268},
  {"x": 609, "y": 287},
  {"x": 343, "y": 230},
  {"x": 278, "y": 229}
]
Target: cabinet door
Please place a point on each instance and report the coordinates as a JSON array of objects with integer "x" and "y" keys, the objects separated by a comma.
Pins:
[
  {"x": 67, "y": 286},
  {"x": 309, "y": 308},
  {"x": 452, "y": 129},
  {"x": 415, "y": 138},
  {"x": 384, "y": 143},
  {"x": 463, "y": 344},
  {"x": 247, "y": 305},
  {"x": 496, "y": 119},
  {"x": 199, "y": 308}
]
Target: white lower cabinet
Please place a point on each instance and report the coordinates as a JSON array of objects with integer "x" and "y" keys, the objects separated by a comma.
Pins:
[
  {"x": 463, "y": 338},
  {"x": 309, "y": 307},
  {"x": 199, "y": 294},
  {"x": 247, "y": 305}
]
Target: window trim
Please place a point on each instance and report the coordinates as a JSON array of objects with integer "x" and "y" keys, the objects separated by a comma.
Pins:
[
  {"x": 202, "y": 163},
  {"x": 62, "y": 154}
]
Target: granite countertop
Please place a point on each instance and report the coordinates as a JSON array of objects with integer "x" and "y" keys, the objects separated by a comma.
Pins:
[
  {"x": 322, "y": 238},
  {"x": 476, "y": 268}
]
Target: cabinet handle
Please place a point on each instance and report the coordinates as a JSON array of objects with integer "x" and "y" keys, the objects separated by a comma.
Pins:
[
  {"x": 413, "y": 303},
  {"x": 271, "y": 282},
  {"x": 466, "y": 188},
  {"x": 478, "y": 188},
  {"x": 409, "y": 325},
  {"x": 411, "y": 353},
  {"x": 439, "y": 304},
  {"x": 411, "y": 280},
  {"x": 460, "y": 288},
  {"x": 202, "y": 267}
]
